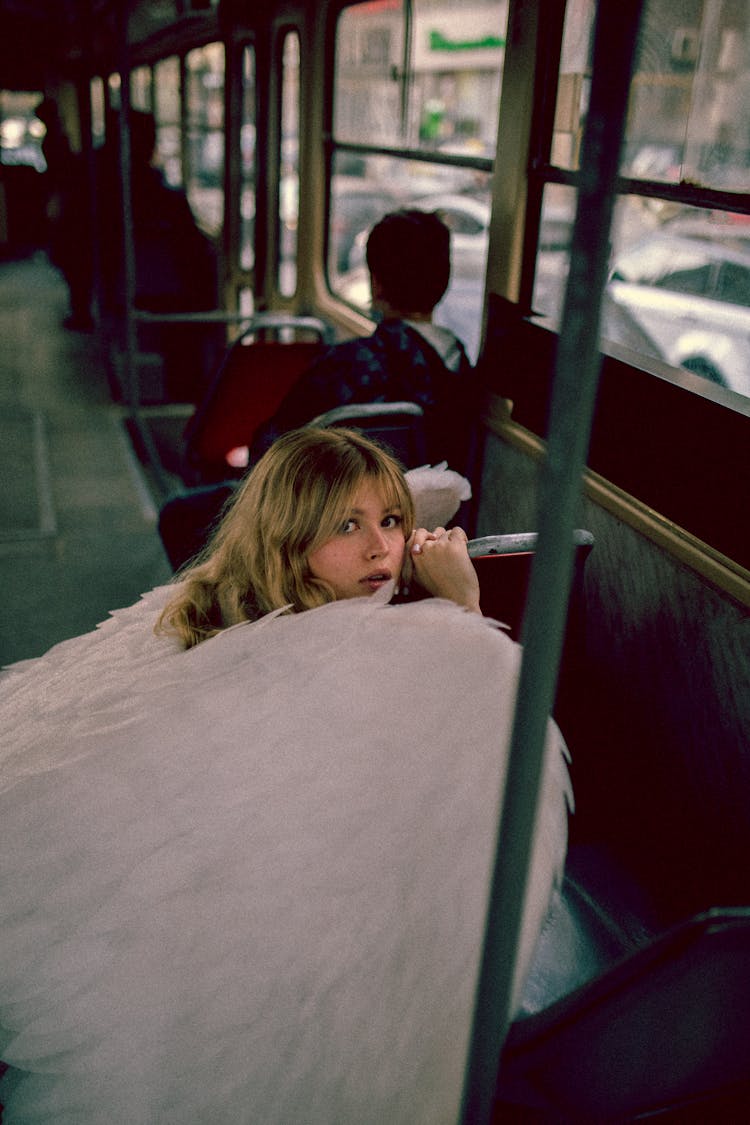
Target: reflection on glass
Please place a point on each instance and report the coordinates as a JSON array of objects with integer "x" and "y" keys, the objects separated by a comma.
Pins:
[
  {"x": 204, "y": 77},
  {"x": 289, "y": 181},
  {"x": 384, "y": 184}
]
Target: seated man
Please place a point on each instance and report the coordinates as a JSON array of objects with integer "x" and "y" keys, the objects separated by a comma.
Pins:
[{"x": 407, "y": 358}]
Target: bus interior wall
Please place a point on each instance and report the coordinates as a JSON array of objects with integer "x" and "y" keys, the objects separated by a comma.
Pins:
[{"x": 656, "y": 711}]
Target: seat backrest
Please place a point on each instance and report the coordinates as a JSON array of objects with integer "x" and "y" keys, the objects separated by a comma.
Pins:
[
  {"x": 250, "y": 385},
  {"x": 503, "y": 566},
  {"x": 399, "y": 426},
  {"x": 665, "y": 1028}
]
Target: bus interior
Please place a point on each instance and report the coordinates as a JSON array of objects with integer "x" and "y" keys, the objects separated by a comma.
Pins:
[{"x": 593, "y": 166}]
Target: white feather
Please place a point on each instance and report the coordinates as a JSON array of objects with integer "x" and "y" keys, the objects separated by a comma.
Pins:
[
  {"x": 437, "y": 492},
  {"x": 247, "y": 883}
]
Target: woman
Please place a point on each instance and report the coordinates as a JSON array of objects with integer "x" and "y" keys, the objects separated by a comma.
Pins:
[
  {"x": 244, "y": 881},
  {"x": 325, "y": 515}
]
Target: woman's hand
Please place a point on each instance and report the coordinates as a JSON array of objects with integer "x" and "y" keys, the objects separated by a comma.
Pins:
[{"x": 441, "y": 564}]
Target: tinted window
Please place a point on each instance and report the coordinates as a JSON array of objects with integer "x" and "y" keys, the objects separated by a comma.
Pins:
[
  {"x": 694, "y": 279},
  {"x": 734, "y": 284}
]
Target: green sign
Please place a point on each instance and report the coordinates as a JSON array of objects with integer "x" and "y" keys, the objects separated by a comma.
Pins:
[{"x": 440, "y": 42}]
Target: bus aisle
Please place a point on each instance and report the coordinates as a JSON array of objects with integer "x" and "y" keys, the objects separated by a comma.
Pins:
[{"x": 78, "y": 534}]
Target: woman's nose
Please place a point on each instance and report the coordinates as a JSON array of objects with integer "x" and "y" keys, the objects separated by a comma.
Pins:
[{"x": 377, "y": 544}]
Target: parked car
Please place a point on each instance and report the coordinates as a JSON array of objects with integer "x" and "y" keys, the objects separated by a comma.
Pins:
[
  {"x": 692, "y": 297},
  {"x": 356, "y": 204}
]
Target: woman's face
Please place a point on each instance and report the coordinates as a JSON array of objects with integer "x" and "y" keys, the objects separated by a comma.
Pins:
[{"x": 366, "y": 552}]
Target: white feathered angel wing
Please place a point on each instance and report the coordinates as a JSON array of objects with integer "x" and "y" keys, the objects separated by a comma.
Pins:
[{"x": 247, "y": 883}]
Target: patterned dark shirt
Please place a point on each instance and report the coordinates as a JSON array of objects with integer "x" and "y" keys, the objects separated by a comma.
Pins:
[{"x": 394, "y": 364}]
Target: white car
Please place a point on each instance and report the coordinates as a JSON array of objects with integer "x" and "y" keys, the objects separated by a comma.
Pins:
[{"x": 692, "y": 297}]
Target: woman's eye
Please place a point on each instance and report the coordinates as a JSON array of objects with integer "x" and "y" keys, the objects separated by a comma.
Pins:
[
  {"x": 392, "y": 521},
  {"x": 348, "y": 526}
]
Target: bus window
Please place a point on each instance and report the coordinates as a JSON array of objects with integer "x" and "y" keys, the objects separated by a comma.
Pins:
[
  {"x": 420, "y": 81},
  {"x": 678, "y": 287},
  {"x": 289, "y": 173},
  {"x": 247, "y": 192},
  {"x": 167, "y": 115},
  {"x": 553, "y": 252},
  {"x": 684, "y": 283},
  {"x": 21, "y": 132},
  {"x": 204, "y": 77},
  {"x": 98, "y": 128},
  {"x": 140, "y": 89}
]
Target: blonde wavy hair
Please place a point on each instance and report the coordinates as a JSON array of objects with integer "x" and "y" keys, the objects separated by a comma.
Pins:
[{"x": 292, "y": 502}]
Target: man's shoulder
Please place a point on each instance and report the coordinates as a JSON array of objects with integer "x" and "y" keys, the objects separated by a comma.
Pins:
[
  {"x": 362, "y": 351},
  {"x": 436, "y": 347}
]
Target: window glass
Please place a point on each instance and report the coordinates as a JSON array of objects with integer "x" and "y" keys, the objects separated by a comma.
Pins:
[
  {"x": 369, "y": 83},
  {"x": 384, "y": 184},
  {"x": 204, "y": 103},
  {"x": 423, "y": 78},
  {"x": 690, "y": 96},
  {"x": 734, "y": 284},
  {"x": 21, "y": 131},
  {"x": 679, "y": 289},
  {"x": 246, "y": 302},
  {"x": 140, "y": 89},
  {"x": 555, "y": 230},
  {"x": 694, "y": 277},
  {"x": 247, "y": 144},
  {"x": 421, "y": 75},
  {"x": 167, "y": 115},
  {"x": 690, "y": 99},
  {"x": 98, "y": 128},
  {"x": 289, "y": 180}
]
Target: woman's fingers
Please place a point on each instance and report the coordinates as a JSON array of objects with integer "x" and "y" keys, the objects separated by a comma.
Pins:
[
  {"x": 420, "y": 537},
  {"x": 443, "y": 567}
]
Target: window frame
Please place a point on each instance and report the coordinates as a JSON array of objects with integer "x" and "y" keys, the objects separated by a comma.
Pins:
[
  {"x": 332, "y": 146},
  {"x": 542, "y": 171}
]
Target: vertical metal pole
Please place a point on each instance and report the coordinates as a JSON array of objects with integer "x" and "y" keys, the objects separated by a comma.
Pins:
[
  {"x": 130, "y": 373},
  {"x": 573, "y": 398},
  {"x": 128, "y": 248}
]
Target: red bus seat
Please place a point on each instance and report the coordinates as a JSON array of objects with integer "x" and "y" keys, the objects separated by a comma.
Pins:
[
  {"x": 503, "y": 566},
  {"x": 251, "y": 383}
]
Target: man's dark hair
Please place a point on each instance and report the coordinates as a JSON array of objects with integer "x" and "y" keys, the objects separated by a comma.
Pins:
[{"x": 409, "y": 253}]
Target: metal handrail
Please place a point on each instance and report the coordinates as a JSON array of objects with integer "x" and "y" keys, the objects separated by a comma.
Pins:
[
  {"x": 573, "y": 398},
  {"x": 518, "y": 542}
]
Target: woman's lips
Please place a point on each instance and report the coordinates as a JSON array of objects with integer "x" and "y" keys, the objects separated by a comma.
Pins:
[{"x": 376, "y": 579}]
